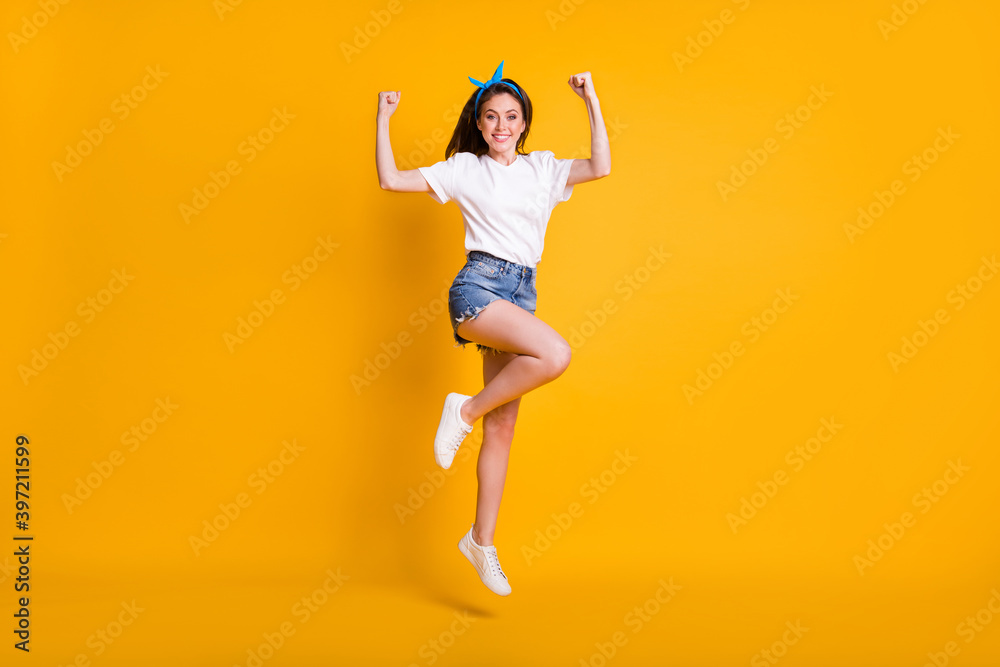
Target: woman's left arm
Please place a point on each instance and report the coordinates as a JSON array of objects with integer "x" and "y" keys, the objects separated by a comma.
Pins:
[{"x": 599, "y": 163}]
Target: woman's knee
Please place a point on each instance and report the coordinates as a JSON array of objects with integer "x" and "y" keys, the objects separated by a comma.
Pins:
[
  {"x": 497, "y": 430},
  {"x": 499, "y": 422},
  {"x": 557, "y": 356}
]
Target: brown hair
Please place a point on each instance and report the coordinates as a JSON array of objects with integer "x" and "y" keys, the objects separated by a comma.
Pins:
[{"x": 468, "y": 138}]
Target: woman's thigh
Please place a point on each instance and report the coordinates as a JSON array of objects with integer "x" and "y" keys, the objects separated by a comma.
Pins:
[{"x": 508, "y": 327}]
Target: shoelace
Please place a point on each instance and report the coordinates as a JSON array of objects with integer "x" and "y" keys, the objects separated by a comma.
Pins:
[
  {"x": 456, "y": 442},
  {"x": 491, "y": 557},
  {"x": 457, "y": 439}
]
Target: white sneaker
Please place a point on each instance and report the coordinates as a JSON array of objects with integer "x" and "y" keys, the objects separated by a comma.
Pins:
[
  {"x": 486, "y": 562},
  {"x": 451, "y": 430}
]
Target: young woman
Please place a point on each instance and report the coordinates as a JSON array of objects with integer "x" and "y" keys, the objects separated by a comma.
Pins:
[{"x": 505, "y": 196}]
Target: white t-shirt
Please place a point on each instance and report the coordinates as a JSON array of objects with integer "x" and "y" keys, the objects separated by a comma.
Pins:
[{"x": 506, "y": 208}]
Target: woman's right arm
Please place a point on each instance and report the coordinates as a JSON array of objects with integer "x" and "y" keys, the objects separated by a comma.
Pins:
[{"x": 389, "y": 177}]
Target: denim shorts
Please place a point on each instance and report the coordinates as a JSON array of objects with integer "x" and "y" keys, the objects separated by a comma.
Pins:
[{"x": 484, "y": 279}]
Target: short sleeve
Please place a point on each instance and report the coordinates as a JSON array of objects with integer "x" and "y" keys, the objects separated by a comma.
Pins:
[
  {"x": 558, "y": 172},
  {"x": 442, "y": 177}
]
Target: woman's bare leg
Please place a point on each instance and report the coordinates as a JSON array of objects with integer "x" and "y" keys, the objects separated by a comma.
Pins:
[
  {"x": 542, "y": 354},
  {"x": 498, "y": 434}
]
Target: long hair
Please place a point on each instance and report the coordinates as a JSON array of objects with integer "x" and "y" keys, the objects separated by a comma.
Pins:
[{"x": 467, "y": 138}]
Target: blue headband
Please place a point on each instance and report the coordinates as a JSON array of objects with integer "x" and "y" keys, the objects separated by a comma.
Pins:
[{"x": 496, "y": 78}]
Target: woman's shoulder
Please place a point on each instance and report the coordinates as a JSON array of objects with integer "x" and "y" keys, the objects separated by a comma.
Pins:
[
  {"x": 459, "y": 160},
  {"x": 462, "y": 158},
  {"x": 538, "y": 156}
]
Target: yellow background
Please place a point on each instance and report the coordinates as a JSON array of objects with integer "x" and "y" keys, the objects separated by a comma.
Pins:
[{"x": 675, "y": 133}]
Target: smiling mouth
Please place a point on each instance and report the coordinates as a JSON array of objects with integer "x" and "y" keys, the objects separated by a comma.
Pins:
[{"x": 500, "y": 138}]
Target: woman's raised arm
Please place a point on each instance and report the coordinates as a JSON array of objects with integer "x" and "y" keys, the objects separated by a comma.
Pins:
[
  {"x": 599, "y": 163},
  {"x": 389, "y": 177}
]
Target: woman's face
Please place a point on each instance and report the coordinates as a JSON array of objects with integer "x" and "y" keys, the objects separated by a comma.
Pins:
[{"x": 501, "y": 121}]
